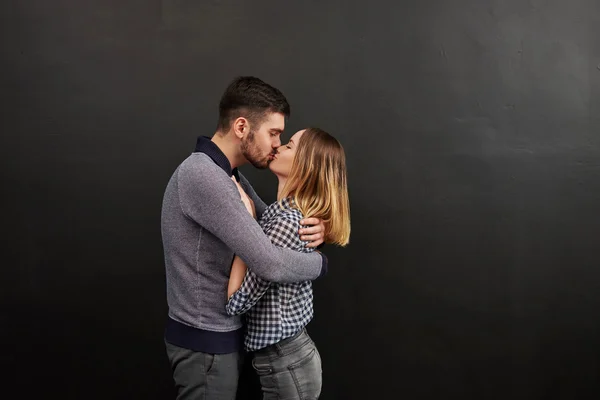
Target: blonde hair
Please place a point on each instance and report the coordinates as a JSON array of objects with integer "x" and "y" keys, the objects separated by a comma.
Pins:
[{"x": 318, "y": 186}]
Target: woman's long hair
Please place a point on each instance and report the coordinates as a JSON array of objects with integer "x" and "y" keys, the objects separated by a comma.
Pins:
[{"x": 318, "y": 186}]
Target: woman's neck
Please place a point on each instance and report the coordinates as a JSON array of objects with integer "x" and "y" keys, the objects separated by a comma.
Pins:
[{"x": 280, "y": 187}]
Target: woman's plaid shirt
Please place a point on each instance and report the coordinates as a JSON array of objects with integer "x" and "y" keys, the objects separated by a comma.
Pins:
[{"x": 274, "y": 311}]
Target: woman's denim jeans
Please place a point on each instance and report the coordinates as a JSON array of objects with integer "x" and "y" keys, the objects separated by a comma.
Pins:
[{"x": 290, "y": 369}]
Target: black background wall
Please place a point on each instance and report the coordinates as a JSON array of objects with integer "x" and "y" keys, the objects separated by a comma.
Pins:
[{"x": 472, "y": 130}]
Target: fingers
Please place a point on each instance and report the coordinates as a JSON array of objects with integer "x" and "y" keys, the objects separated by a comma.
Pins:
[
  {"x": 315, "y": 243},
  {"x": 311, "y": 230},
  {"x": 239, "y": 187},
  {"x": 310, "y": 221},
  {"x": 312, "y": 238}
]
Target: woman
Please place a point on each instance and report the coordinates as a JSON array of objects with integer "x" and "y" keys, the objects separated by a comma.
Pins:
[{"x": 311, "y": 170}]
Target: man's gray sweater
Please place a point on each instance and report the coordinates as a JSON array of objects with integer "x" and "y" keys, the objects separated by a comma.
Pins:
[{"x": 204, "y": 223}]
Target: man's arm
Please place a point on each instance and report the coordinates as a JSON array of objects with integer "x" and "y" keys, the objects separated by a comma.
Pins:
[
  {"x": 313, "y": 233},
  {"x": 209, "y": 197},
  {"x": 245, "y": 288}
]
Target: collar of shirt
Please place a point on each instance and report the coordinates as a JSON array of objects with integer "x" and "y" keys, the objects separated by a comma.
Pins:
[
  {"x": 206, "y": 146},
  {"x": 286, "y": 203}
]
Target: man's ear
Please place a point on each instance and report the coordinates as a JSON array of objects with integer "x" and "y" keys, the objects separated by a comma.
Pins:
[{"x": 240, "y": 127}]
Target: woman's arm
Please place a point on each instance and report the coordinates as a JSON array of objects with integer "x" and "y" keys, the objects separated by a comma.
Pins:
[
  {"x": 236, "y": 277},
  {"x": 238, "y": 267},
  {"x": 259, "y": 204},
  {"x": 248, "y": 294},
  {"x": 245, "y": 288}
]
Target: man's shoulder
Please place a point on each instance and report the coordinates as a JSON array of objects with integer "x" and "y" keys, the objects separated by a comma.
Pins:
[
  {"x": 199, "y": 160},
  {"x": 199, "y": 166}
]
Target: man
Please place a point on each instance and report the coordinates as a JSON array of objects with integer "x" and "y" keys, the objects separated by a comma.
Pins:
[{"x": 205, "y": 223}]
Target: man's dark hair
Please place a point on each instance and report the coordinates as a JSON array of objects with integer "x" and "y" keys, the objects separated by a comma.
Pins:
[{"x": 251, "y": 98}]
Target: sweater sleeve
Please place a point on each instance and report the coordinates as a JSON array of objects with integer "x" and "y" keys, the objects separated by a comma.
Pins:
[
  {"x": 283, "y": 232},
  {"x": 210, "y": 198}
]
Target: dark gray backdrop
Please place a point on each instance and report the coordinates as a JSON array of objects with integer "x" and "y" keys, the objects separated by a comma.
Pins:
[{"x": 472, "y": 132}]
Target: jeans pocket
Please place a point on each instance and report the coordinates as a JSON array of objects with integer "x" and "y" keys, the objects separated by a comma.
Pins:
[
  {"x": 209, "y": 362},
  {"x": 262, "y": 367},
  {"x": 307, "y": 375},
  {"x": 304, "y": 360}
]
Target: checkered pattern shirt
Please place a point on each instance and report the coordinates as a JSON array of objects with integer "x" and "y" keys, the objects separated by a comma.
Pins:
[{"x": 274, "y": 311}]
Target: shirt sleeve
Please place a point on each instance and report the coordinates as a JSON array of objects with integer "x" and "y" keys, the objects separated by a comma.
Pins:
[{"x": 252, "y": 289}]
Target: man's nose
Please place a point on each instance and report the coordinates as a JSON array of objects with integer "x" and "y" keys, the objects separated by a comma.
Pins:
[
  {"x": 277, "y": 150},
  {"x": 277, "y": 144}
]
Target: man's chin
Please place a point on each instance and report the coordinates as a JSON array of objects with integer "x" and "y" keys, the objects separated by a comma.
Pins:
[{"x": 263, "y": 164}]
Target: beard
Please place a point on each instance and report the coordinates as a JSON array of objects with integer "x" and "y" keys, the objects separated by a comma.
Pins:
[{"x": 252, "y": 153}]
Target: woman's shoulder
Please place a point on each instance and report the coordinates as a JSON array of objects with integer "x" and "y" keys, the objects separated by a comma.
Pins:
[
  {"x": 284, "y": 212},
  {"x": 291, "y": 214}
]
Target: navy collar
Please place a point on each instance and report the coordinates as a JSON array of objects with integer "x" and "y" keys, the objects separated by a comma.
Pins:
[{"x": 206, "y": 146}]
